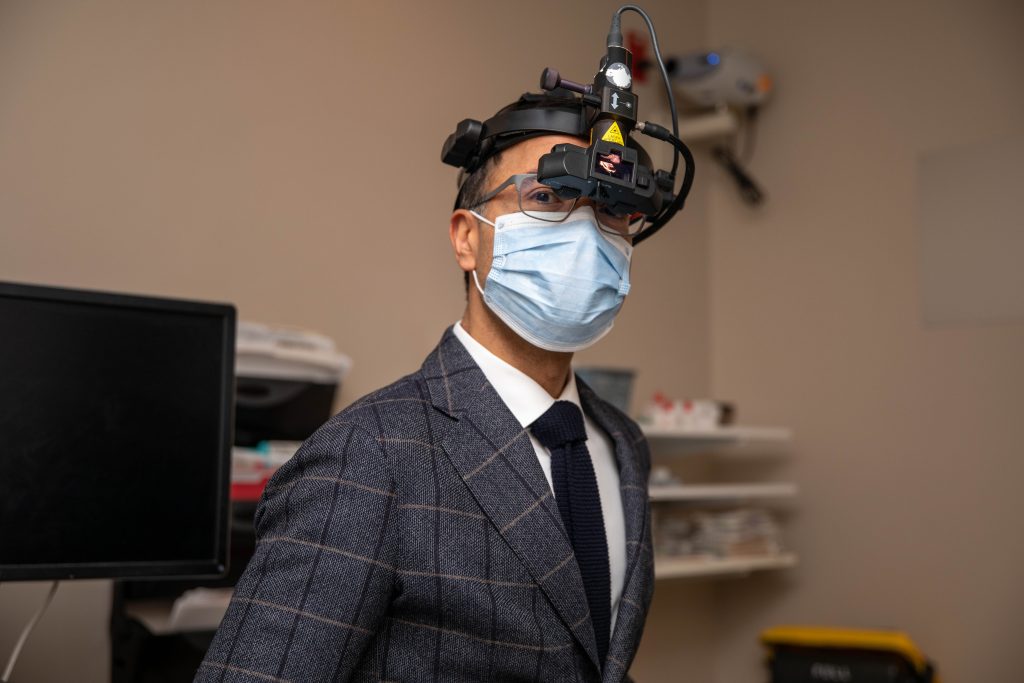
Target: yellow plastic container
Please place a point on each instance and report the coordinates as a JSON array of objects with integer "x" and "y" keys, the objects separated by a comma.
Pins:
[{"x": 808, "y": 654}]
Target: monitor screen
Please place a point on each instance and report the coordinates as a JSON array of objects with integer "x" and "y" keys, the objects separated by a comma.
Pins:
[{"x": 115, "y": 434}]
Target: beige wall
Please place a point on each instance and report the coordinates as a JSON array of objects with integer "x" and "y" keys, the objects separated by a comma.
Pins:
[
  {"x": 909, "y": 438},
  {"x": 285, "y": 157},
  {"x": 227, "y": 151},
  {"x": 70, "y": 643}
]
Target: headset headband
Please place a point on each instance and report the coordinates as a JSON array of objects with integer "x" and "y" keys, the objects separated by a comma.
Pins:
[{"x": 532, "y": 115}]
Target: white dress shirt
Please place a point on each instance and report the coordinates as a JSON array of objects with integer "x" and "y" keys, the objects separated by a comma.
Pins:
[{"x": 527, "y": 401}]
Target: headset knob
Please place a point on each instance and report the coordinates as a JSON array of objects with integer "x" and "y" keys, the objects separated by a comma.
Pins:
[{"x": 550, "y": 79}]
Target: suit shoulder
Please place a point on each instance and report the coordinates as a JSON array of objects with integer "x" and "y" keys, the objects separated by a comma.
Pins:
[{"x": 403, "y": 400}]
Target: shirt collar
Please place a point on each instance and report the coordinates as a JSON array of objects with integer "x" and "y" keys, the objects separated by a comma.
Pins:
[{"x": 526, "y": 399}]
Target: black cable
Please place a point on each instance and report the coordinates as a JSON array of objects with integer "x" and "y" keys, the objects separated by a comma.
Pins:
[
  {"x": 664, "y": 74},
  {"x": 749, "y": 134},
  {"x": 680, "y": 199},
  {"x": 749, "y": 191},
  {"x": 661, "y": 133}
]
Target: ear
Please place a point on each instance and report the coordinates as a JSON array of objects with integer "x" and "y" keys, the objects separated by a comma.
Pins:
[{"x": 464, "y": 233}]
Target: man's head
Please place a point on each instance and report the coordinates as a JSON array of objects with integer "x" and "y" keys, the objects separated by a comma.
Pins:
[
  {"x": 549, "y": 270},
  {"x": 473, "y": 239},
  {"x": 480, "y": 150},
  {"x": 556, "y": 116}
]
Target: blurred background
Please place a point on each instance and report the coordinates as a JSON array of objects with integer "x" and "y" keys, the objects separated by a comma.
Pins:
[{"x": 284, "y": 157}]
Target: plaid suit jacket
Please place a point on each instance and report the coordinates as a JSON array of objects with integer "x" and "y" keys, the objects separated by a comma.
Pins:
[{"x": 414, "y": 537}]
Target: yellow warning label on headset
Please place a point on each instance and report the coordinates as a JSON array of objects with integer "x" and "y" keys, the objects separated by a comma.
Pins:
[{"x": 613, "y": 134}]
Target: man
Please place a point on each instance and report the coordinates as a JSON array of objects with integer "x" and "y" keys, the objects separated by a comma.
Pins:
[{"x": 438, "y": 529}]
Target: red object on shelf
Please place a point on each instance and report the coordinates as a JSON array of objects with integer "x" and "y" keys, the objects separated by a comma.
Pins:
[
  {"x": 636, "y": 44},
  {"x": 248, "y": 491}
]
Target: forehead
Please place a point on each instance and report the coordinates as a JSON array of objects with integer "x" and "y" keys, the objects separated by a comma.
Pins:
[{"x": 523, "y": 157}]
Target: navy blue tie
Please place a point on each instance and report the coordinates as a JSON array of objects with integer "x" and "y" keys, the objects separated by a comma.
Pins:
[{"x": 561, "y": 431}]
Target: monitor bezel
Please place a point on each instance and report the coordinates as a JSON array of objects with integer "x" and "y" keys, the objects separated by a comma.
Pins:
[{"x": 218, "y": 564}]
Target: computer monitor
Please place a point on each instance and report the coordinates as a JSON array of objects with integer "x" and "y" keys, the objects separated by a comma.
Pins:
[{"x": 115, "y": 434}]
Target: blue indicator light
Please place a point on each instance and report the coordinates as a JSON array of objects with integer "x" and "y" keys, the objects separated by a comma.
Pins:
[{"x": 713, "y": 58}]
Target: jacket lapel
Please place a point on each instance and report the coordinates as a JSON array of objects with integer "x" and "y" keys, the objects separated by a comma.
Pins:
[
  {"x": 633, "y": 487},
  {"x": 495, "y": 458}
]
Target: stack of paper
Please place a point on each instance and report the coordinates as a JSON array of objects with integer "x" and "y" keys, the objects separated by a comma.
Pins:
[{"x": 735, "y": 533}]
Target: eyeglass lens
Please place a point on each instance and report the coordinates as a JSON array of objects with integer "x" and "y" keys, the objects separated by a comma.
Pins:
[{"x": 540, "y": 201}]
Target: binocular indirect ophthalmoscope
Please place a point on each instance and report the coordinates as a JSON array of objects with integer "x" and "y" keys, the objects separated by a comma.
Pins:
[{"x": 613, "y": 170}]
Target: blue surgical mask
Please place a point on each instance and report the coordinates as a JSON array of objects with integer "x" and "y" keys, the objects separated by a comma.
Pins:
[{"x": 557, "y": 285}]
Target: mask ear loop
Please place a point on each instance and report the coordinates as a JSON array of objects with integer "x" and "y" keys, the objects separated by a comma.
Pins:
[
  {"x": 476, "y": 280},
  {"x": 481, "y": 218}
]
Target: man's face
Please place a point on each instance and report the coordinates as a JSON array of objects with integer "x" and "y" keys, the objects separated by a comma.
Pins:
[{"x": 520, "y": 158}]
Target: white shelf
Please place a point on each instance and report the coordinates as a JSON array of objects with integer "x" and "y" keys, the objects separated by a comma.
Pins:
[
  {"x": 723, "y": 492},
  {"x": 666, "y": 567},
  {"x": 734, "y": 434},
  {"x": 673, "y": 440}
]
